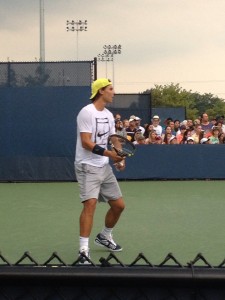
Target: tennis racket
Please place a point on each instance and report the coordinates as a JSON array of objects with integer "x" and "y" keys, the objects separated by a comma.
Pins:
[{"x": 121, "y": 145}]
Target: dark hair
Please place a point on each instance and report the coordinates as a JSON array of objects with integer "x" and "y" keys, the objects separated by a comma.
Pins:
[
  {"x": 215, "y": 128},
  {"x": 184, "y": 139},
  {"x": 146, "y": 133},
  {"x": 201, "y": 135},
  {"x": 203, "y": 114},
  {"x": 165, "y": 140}
]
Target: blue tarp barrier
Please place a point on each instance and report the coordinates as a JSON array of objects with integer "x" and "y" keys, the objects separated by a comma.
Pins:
[
  {"x": 38, "y": 134},
  {"x": 149, "y": 162}
]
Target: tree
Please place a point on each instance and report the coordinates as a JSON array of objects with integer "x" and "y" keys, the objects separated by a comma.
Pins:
[
  {"x": 9, "y": 77},
  {"x": 173, "y": 95},
  {"x": 210, "y": 104},
  {"x": 41, "y": 77}
]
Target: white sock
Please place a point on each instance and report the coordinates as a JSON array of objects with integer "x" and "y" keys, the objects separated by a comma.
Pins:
[
  {"x": 84, "y": 242},
  {"x": 107, "y": 232}
]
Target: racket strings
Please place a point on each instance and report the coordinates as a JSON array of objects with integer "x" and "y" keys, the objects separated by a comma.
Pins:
[{"x": 126, "y": 148}]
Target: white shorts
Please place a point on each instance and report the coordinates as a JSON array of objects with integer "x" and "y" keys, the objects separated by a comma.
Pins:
[{"x": 97, "y": 183}]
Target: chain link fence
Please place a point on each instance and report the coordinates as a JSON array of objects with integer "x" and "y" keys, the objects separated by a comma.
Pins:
[{"x": 54, "y": 74}]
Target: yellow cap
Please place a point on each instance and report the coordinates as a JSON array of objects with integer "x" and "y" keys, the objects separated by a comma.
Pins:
[{"x": 97, "y": 85}]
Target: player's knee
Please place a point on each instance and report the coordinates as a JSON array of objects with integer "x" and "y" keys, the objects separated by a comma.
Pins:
[
  {"x": 122, "y": 206},
  {"x": 90, "y": 205},
  {"x": 118, "y": 205}
]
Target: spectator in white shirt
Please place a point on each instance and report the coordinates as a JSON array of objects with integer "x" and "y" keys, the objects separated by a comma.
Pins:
[
  {"x": 156, "y": 126},
  {"x": 138, "y": 125}
]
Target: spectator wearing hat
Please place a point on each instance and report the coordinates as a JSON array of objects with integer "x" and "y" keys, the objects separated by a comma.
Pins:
[
  {"x": 214, "y": 138},
  {"x": 184, "y": 122},
  {"x": 156, "y": 126},
  {"x": 131, "y": 129},
  {"x": 205, "y": 141},
  {"x": 138, "y": 125},
  {"x": 173, "y": 140},
  {"x": 190, "y": 140},
  {"x": 206, "y": 125},
  {"x": 133, "y": 117}
]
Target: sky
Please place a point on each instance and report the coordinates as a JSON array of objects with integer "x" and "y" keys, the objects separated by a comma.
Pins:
[{"x": 163, "y": 41}]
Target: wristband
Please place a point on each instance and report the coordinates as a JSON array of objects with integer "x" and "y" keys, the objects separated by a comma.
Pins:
[{"x": 98, "y": 150}]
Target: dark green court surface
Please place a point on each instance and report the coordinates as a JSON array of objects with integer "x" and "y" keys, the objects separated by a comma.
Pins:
[{"x": 182, "y": 217}]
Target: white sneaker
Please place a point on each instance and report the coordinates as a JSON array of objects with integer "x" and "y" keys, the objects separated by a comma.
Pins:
[{"x": 84, "y": 256}]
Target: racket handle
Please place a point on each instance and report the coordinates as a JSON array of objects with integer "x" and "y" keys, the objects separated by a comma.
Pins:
[{"x": 121, "y": 164}]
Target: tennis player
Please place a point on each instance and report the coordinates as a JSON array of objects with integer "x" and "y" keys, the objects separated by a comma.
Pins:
[{"x": 93, "y": 172}]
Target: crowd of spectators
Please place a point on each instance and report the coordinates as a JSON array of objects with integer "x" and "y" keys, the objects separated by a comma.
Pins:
[{"x": 198, "y": 131}]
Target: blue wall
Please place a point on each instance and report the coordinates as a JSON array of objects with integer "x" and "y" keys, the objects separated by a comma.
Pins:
[
  {"x": 149, "y": 162},
  {"x": 176, "y": 162},
  {"x": 38, "y": 133},
  {"x": 40, "y": 121}
]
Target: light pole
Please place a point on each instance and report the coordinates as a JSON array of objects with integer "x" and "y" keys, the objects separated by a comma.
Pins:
[
  {"x": 42, "y": 32},
  {"x": 76, "y": 26},
  {"x": 108, "y": 55},
  {"x": 106, "y": 58}
]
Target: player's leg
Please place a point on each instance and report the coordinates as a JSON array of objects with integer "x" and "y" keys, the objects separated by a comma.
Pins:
[
  {"x": 110, "y": 192},
  {"x": 114, "y": 212},
  {"x": 89, "y": 189},
  {"x": 86, "y": 217},
  {"x": 86, "y": 224}
]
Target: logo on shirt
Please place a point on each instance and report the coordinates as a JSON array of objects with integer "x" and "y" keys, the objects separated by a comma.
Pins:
[
  {"x": 101, "y": 131},
  {"x": 101, "y": 134}
]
